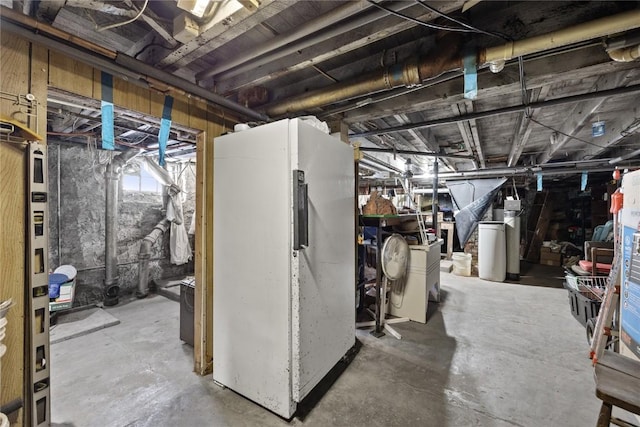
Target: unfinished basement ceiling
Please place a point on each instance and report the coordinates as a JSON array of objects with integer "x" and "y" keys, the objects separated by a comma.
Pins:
[
  {"x": 74, "y": 119},
  {"x": 287, "y": 58}
]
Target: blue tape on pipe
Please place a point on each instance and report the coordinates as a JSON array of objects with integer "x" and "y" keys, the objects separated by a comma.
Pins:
[
  {"x": 108, "y": 137},
  {"x": 470, "y": 76},
  {"x": 165, "y": 127},
  {"x": 583, "y": 181},
  {"x": 106, "y": 107},
  {"x": 163, "y": 137},
  {"x": 539, "y": 182}
]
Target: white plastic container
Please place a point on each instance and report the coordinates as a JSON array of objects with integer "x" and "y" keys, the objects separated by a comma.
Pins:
[
  {"x": 492, "y": 251},
  {"x": 461, "y": 263}
]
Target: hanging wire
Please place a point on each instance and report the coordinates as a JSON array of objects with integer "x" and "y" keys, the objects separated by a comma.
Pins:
[
  {"x": 417, "y": 21},
  {"x": 523, "y": 84},
  {"x": 565, "y": 134},
  {"x": 119, "y": 24},
  {"x": 464, "y": 24}
]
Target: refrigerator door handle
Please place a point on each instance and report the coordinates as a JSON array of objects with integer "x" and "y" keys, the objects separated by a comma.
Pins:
[{"x": 300, "y": 211}]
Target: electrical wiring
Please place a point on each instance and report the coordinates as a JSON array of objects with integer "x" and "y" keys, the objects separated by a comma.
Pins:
[
  {"x": 417, "y": 21},
  {"x": 119, "y": 24},
  {"x": 468, "y": 26},
  {"x": 565, "y": 134}
]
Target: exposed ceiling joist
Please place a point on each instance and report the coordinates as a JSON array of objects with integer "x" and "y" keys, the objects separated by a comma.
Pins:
[
  {"x": 523, "y": 128},
  {"x": 215, "y": 36},
  {"x": 581, "y": 113}
]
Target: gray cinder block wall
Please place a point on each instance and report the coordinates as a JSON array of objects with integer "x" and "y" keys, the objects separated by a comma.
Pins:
[{"x": 81, "y": 234}]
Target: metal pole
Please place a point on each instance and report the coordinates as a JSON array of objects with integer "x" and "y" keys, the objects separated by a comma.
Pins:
[
  {"x": 434, "y": 198},
  {"x": 415, "y": 153},
  {"x": 58, "y": 209},
  {"x": 377, "y": 332}
]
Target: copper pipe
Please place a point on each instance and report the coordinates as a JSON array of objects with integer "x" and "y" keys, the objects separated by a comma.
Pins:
[{"x": 28, "y": 21}]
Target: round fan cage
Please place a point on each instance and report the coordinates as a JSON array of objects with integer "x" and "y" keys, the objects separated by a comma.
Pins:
[{"x": 395, "y": 256}]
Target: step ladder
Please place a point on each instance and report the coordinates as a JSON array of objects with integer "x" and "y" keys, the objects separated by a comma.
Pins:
[{"x": 603, "y": 330}]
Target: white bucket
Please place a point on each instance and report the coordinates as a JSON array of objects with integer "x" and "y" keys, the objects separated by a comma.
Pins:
[
  {"x": 4, "y": 421},
  {"x": 461, "y": 263}
]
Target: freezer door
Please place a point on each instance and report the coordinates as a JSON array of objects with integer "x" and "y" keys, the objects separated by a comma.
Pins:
[
  {"x": 323, "y": 273},
  {"x": 251, "y": 305}
]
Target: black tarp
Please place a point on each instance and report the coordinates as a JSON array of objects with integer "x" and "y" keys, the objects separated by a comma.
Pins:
[{"x": 473, "y": 198}]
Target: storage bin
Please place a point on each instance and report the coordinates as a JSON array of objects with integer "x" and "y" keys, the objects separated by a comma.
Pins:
[
  {"x": 583, "y": 308},
  {"x": 461, "y": 263}
]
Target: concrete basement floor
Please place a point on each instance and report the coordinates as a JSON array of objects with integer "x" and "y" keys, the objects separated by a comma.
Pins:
[{"x": 491, "y": 354}]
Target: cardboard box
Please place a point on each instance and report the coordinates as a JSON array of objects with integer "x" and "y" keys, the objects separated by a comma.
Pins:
[
  {"x": 65, "y": 299},
  {"x": 550, "y": 258}
]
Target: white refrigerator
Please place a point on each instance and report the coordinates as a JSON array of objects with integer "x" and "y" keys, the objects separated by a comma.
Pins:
[{"x": 284, "y": 261}]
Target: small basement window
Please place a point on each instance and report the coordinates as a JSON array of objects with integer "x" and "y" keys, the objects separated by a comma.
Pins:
[{"x": 141, "y": 181}]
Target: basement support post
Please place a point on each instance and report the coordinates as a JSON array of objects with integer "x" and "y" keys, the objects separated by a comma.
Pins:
[{"x": 434, "y": 198}]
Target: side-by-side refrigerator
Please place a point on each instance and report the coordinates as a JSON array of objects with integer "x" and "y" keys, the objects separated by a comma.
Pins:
[{"x": 284, "y": 270}]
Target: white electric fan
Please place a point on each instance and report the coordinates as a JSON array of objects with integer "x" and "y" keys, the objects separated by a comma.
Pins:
[{"x": 394, "y": 257}]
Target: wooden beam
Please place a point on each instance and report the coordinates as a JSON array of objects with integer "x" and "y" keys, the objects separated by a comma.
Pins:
[
  {"x": 336, "y": 46},
  {"x": 469, "y": 131},
  {"x": 211, "y": 38},
  {"x": 523, "y": 127}
]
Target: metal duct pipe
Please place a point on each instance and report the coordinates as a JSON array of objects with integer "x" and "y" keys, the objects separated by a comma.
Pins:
[
  {"x": 520, "y": 171},
  {"x": 112, "y": 177},
  {"x": 625, "y": 157},
  {"x": 589, "y": 30},
  {"x": 405, "y": 74},
  {"x": 322, "y": 22},
  {"x": 159, "y": 78},
  {"x": 145, "y": 253},
  {"x": 131, "y": 71},
  {"x": 626, "y": 54},
  {"x": 415, "y": 153},
  {"x": 75, "y": 53}
]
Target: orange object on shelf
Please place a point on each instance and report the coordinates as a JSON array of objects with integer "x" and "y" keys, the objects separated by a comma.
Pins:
[{"x": 617, "y": 199}]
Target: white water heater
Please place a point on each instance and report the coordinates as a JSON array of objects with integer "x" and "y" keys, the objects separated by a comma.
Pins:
[{"x": 512, "y": 231}]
